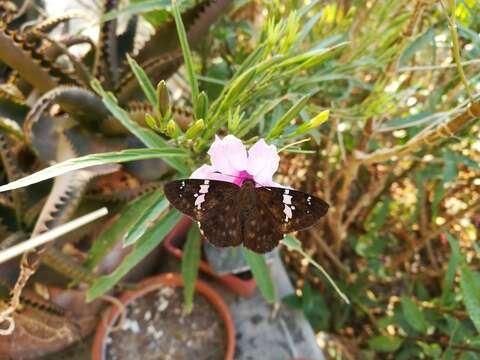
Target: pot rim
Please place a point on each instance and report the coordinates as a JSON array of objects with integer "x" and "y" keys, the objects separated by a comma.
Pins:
[{"x": 155, "y": 282}]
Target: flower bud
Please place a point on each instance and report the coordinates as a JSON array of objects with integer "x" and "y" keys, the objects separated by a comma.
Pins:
[{"x": 195, "y": 129}]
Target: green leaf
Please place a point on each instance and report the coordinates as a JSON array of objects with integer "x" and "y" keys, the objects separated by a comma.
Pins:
[
  {"x": 385, "y": 343},
  {"x": 421, "y": 41},
  {"x": 144, "y": 81},
  {"x": 447, "y": 290},
  {"x": 145, "y": 135},
  {"x": 277, "y": 129},
  {"x": 450, "y": 171},
  {"x": 433, "y": 351},
  {"x": 293, "y": 244},
  {"x": 137, "y": 8},
  {"x": 190, "y": 264},
  {"x": 148, "y": 218},
  {"x": 187, "y": 55},
  {"x": 261, "y": 273},
  {"x": 413, "y": 315},
  {"x": 471, "y": 293},
  {"x": 94, "y": 160},
  {"x": 108, "y": 238},
  {"x": 149, "y": 241}
]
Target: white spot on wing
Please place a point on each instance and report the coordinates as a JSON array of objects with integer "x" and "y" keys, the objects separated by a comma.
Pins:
[
  {"x": 287, "y": 210},
  {"x": 199, "y": 201},
  {"x": 288, "y": 213}
]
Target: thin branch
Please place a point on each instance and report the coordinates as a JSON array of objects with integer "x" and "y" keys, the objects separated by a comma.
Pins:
[
  {"x": 452, "y": 24},
  {"x": 437, "y": 67},
  {"x": 428, "y": 136}
]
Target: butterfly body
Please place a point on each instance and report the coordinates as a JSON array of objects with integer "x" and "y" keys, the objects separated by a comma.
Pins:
[{"x": 258, "y": 217}]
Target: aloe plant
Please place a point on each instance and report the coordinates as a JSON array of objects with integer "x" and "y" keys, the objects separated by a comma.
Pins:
[{"x": 50, "y": 112}]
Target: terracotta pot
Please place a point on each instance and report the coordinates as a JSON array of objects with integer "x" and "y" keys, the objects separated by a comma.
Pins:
[
  {"x": 152, "y": 284},
  {"x": 237, "y": 285}
]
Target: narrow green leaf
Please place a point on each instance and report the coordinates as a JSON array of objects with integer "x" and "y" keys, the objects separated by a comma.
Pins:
[
  {"x": 190, "y": 264},
  {"x": 144, "y": 82},
  {"x": 385, "y": 343},
  {"x": 252, "y": 59},
  {"x": 261, "y": 273},
  {"x": 108, "y": 238},
  {"x": 471, "y": 293},
  {"x": 413, "y": 315},
  {"x": 187, "y": 55},
  {"x": 450, "y": 171},
  {"x": 281, "y": 123},
  {"x": 293, "y": 244},
  {"x": 147, "y": 136},
  {"x": 149, "y": 241},
  {"x": 137, "y": 8},
  {"x": 421, "y": 41},
  {"x": 147, "y": 219},
  {"x": 451, "y": 270},
  {"x": 94, "y": 160}
]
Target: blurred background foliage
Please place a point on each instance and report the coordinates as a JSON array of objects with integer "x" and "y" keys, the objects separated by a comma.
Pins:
[{"x": 398, "y": 158}]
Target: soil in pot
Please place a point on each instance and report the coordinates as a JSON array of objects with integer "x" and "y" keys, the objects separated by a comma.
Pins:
[{"x": 155, "y": 327}]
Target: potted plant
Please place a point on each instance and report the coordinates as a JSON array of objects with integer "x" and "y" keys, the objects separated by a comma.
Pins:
[{"x": 152, "y": 321}]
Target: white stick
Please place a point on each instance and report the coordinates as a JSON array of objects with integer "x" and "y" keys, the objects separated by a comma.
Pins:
[{"x": 51, "y": 235}]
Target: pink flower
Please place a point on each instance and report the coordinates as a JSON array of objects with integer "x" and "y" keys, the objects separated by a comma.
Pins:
[{"x": 231, "y": 162}]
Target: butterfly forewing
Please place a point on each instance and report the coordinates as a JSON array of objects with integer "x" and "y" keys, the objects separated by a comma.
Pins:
[
  {"x": 292, "y": 210},
  {"x": 197, "y": 198}
]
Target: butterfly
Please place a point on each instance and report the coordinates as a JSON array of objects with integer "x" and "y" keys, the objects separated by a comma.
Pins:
[{"x": 257, "y": 217}]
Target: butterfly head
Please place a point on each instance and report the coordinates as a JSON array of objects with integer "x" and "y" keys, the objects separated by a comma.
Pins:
[
  {"x": 248, "y": 184},
  {"x": 243, "y": 178}
]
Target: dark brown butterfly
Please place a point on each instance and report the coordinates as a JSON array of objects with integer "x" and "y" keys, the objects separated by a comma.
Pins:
[{"x": 229, "y": 215}]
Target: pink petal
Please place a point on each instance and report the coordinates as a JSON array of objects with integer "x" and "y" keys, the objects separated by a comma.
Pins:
[
  {"x": 263, "y": 161},
  {"x": 208, "y": 172},
  {"x": 228, "y": 155},
  {"x": 202, "y": 172}
]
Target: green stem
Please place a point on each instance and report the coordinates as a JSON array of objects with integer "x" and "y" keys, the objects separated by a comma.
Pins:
[{"x": 452, "y": 24}]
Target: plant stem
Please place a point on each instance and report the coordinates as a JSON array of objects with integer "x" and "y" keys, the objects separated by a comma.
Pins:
[{"x": 452, "y": 24}]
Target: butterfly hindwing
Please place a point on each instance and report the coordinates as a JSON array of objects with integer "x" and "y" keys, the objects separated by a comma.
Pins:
[
  {"x": 292, "y": 210},
  {"x": 259, "y": 231},
  {"x": 197, "y": 197},
  {"x": 221, "y": 226}
]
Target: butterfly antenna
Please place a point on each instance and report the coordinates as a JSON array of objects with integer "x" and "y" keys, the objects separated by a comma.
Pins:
[
  {"x": 234, "y": 176},
  {"x": 238, "y": 177}
]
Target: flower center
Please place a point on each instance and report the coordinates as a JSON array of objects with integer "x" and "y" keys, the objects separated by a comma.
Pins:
[{"x": 241, "y": 177}]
